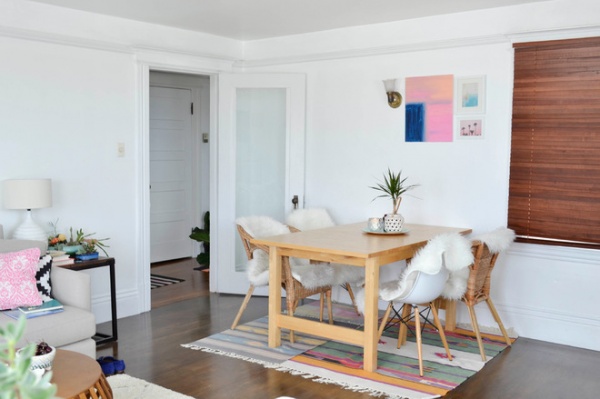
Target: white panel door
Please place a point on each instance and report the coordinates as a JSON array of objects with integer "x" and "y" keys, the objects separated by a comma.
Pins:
[
  {"x": 171, "y": 213},
  {"x": 260, "y": 165}
]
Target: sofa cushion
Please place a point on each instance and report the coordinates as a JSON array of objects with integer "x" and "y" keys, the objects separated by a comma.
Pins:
[
  {"x": 58, "y": 329},
  {"x": 42, "y": 278},
  {"x": 18, "y": 286}
]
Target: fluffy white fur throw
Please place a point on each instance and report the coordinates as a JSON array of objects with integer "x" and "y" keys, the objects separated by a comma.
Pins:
[
  {"x": 257, "y": 270},
  {"x": 310, "y": 219},
  {"x": 497, "y": 240},
  {"x": 319, "y": 218},
  {"x": 450, "y": 250}
]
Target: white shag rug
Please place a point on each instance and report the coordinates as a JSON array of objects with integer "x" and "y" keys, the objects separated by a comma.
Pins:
[{"x": 127, "y": 387}]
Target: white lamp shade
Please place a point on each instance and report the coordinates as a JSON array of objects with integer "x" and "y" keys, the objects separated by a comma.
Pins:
[{"x": 27, "y": 193}]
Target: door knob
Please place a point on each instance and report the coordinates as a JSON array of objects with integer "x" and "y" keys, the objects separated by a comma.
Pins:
[{"x": 295, "y": 201}]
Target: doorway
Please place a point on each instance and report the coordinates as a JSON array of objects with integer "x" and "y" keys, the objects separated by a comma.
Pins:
[{"x": 179, "y": 180}]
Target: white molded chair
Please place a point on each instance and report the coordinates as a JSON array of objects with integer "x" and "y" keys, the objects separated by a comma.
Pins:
[
  {"x": 299, "y": 279},
  {"x": 423, "y": 281},
  {"x": 319, "y": 218},
  {"x": 418, "y": 288}
]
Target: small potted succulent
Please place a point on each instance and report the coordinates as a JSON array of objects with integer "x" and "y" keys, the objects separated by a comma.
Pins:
[
  {"x": 17, "y": 378},
  {"x": 393, "y": 186}
]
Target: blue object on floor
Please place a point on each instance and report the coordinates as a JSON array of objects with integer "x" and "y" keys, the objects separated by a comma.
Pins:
[{"x": 111, "y": 366}]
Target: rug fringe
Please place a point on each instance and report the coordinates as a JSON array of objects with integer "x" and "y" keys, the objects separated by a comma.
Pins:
[
  {"x": 315, "y": 378},
  {"x": 230, "y": 354}
]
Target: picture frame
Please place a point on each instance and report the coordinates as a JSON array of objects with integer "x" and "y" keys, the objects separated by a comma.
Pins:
[
  {"x": 470, "y": 128},
  {"x": 470, "y": 95}
]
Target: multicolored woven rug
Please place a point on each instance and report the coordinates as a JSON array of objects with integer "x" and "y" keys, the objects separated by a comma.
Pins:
[{"x": 339, "y": 363}]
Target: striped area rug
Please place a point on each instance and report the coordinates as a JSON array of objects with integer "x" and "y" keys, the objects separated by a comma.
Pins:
[
  {"x": 157, "y": 281},
  {"x": 335, "y": 362}
]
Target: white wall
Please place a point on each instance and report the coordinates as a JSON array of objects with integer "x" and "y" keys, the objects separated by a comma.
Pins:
[
  {"x": 70, "y": 90},
  {"x": 544, "y": 293}
]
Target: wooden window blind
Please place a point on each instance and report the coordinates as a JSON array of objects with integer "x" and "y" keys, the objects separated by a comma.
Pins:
[{"x": 554, "y": 191}]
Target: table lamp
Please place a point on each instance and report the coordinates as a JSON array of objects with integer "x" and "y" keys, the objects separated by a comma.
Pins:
[{"x": 28, "y": 194}]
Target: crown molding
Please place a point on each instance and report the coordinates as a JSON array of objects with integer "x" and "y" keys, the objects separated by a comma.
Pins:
[
  {"x": 375, "y": 51},
  {"x": 555, "y": 34},
  {"x": 55, "y": 38}
]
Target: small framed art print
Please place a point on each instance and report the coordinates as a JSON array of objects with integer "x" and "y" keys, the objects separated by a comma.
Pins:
[
  {"x": 470, "y": 128},
  {"x": 470, "y": 95}
]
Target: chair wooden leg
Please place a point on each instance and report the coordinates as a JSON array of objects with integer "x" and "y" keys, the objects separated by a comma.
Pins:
[
  {"x": 438, "y": 325},
  {"x": 384, "y": 321},
  {"x": 329, "y": 307},
  {"x": 476, "y": 330},
  {"x": 351, "y": 293},
  {"x": 291, "y": 314},
  {"x": 498, "y": 320},
  {"x": 321, "y": 305},
  {"x": 243, "y": 307},
  {"x": 403, "y": 329},
  {"x": 419, "y": 340}
]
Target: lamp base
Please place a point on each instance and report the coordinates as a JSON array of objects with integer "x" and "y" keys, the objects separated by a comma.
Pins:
[{"x": 30, "y": 230}]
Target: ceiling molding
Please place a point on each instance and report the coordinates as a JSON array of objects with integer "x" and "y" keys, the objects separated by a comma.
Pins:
[
  {"x": 555, "y": 34},
  {"x": 375, "y": 51},
  {"x": 54, "y": 38}
]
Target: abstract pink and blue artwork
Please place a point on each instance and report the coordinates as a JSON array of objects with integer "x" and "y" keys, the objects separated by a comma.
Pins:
[{"x": 429, "y": 108}]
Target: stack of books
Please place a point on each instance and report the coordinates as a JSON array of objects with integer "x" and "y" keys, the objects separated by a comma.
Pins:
[
  {"x": 46, "y": 308},
  {"x": 61, "y": 260}
]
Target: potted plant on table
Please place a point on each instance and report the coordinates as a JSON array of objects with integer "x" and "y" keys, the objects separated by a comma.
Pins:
[{"x": 393, "y": 186}]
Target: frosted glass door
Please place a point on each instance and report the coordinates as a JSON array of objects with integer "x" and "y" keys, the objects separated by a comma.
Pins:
[{"x": 261, "y": 161}]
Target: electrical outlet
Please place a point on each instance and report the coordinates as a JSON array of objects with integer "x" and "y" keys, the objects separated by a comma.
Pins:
[{"x": 120, "y": 150}]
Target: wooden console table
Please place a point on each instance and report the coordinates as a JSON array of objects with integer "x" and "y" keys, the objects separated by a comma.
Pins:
[{"x": 101, "y": 338}]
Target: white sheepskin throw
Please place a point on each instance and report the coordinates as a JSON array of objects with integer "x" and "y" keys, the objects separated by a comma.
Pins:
[
  {"x": 497, "y": 240},
  {"x": 257, "y": 270},
  {"x": 348, "y": 274},
  {"x": 310, "y": 219},
  {"x": 319, "y": 218},
  {"x": 450, "y": 250},
  {"x": 262, "y": 226}
]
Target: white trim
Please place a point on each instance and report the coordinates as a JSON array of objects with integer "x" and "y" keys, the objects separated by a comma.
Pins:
[
  {"x": 556, "y": 253},
  {"x": 66, "y": 40},
  {"x": 143, "y": 191},
  {"x": 375, "y": 51}
]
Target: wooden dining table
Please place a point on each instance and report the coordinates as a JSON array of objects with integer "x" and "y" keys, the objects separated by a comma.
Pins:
[{"x": 349, "y": 245}]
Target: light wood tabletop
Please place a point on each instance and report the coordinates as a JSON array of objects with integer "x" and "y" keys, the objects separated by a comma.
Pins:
[
  {"x": 78, "y": 376},
  {"x": 350, "y": 245}
]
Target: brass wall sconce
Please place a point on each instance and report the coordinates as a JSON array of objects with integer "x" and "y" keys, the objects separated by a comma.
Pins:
[{"x": 394, "y": 98}]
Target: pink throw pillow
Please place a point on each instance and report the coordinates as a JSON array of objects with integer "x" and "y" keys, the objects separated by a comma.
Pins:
[{"x": 17, "y": 279}]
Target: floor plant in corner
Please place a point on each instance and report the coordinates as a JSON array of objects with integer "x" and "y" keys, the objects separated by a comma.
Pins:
[
  {"x": 203, "y": 237},
  {"x": 17, "y": 381}
]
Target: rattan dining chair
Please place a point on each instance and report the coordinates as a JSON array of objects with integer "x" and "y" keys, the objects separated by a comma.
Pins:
[
  {"x": 319, "y": 218},
  {"x": 299, "y": 279},
  {"x": 485, "y": 252}
]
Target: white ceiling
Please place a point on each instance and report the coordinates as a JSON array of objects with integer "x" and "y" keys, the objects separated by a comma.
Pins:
[{"x": 259, "y": 19}]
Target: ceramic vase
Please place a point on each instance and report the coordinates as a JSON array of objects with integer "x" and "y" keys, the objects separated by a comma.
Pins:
[{"x": 393, "y": 223}]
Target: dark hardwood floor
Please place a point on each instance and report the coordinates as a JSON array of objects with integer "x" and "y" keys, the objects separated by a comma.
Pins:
[{"x": 150, "y": 344}]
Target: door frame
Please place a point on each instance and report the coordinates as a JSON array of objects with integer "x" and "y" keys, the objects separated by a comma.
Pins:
[
  {"x": 197, "y": 172},
  {"x": 143, "y": 164}
]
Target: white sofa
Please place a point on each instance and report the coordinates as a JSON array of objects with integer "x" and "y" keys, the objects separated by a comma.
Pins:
[{"x": 71, "y": 329}]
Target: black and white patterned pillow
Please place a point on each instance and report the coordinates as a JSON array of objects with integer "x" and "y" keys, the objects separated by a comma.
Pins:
[{"x": 42, "y": 277}]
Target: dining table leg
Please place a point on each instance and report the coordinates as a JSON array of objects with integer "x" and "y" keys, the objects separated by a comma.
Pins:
[
  {"x": 371, "y": 336},
  {"x": 274, "y": 297}
]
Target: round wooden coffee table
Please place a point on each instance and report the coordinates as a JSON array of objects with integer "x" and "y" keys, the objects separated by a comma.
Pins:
[{"x": 78, "y": 377}]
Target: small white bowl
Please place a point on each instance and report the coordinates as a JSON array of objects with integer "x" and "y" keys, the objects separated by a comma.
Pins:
[{"x": 42, "y": 362}]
